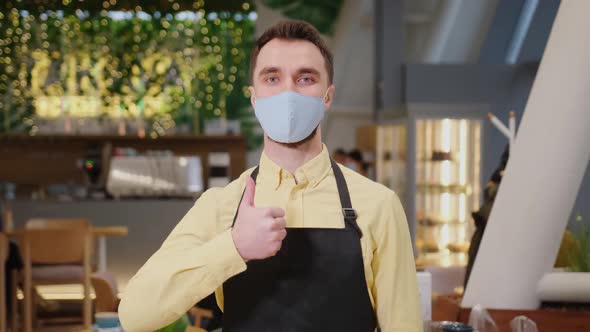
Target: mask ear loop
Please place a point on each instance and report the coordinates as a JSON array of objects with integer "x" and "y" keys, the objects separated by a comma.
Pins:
[{"x": 326, "y": 95}]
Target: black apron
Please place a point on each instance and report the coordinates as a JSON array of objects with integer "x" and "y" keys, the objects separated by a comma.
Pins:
[{"x": 316, "y": 282}]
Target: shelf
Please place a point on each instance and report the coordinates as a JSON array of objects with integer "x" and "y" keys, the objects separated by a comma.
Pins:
[
  {"x": 431, "y": 223},
  {"x": 428, "y": 247},
  {"x": 438, "y": 156},
  {"x": 442, "y": 188},
  {"x": 458, "y": 247},
  {"x": 442, "y": 259},
  {"x": 43, "y": 160},
  {"x": 424, "y": 218},
  {"x": 429, "y": 160},
  {"x": 433, "y": 219},
  {"x": 454, "y": 248}
]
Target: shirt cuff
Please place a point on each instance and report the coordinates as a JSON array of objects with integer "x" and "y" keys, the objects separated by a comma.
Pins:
[{"x": 227, "y": 254}]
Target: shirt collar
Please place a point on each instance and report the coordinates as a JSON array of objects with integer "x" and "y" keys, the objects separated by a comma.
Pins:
[{"x": 313, "y": 171}]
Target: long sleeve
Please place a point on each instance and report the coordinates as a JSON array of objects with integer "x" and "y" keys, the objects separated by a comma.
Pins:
[
  {"x": 195, "y": 259},
  {"x": 395, "y": 289}
]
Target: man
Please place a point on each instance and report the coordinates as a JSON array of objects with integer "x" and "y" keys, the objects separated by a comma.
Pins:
[{"x": 298, "y": 243}]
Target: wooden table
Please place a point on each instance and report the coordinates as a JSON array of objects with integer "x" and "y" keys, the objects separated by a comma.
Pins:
[{"x": 101, "y": 234}]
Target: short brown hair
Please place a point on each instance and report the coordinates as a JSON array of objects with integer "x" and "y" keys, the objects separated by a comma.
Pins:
[{"x": 293, "y": 30}]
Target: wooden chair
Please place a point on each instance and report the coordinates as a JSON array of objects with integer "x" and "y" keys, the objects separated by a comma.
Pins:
[
  {"x": 56, "y": 251},
  {"x": 4, "y": 298},
  {"x": 198, "y": 315},
  {"x": 105, "y": 288},
  {"x": 3, "y": 258}
]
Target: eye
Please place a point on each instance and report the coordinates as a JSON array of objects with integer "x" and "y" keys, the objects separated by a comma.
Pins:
[
  {"x": 306, "y": 80},
  {"x": 272, "y": 79}
]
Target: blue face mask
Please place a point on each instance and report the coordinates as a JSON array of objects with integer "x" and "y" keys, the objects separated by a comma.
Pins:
[{"x": 289, "y": 117}]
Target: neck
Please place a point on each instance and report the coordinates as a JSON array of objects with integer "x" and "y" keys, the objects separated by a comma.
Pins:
[{"x": 292, "y": 156}]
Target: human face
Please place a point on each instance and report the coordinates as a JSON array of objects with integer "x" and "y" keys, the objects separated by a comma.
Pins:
[{"x": 295, "y": 65}]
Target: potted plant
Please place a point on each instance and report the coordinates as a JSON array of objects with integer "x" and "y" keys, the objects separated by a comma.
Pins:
[
  {"x": 579, "y": 253},
  {"x": 570, "y": 281}
]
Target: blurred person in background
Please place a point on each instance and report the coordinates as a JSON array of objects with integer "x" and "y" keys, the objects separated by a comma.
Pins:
[
  {"x": 340, "y": 156},
  {"x": 356, "y": 162}
]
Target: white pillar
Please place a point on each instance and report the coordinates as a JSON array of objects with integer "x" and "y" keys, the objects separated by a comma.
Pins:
[{"x": 543, "y": 175}]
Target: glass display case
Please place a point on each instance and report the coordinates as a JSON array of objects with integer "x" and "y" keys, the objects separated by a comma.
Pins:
[
  {"x": 447, "y": 173},
  {"x": 433, "y": 163}
]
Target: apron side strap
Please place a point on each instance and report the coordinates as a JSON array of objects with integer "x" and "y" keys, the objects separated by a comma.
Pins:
[{"x": 350, "y": 217}]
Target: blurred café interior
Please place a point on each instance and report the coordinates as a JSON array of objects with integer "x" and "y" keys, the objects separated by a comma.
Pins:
[{"x": 115, "y": 115}]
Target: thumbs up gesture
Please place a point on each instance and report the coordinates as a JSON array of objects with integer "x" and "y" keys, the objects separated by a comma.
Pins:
[{"x": 258, "y": 232}]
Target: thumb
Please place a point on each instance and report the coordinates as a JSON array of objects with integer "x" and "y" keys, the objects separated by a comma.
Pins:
[{"x": 248, "y": 199}]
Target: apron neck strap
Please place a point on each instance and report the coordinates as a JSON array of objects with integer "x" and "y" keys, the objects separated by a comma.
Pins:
[
  {"x": 253, "y": 175},
  {"x": 347, "y": 211}
]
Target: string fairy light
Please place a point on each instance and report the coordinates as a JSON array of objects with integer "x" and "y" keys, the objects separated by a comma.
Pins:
[{"x": 187, "y": 62}]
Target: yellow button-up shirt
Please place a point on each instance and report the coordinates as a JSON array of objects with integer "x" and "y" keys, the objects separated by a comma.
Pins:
[{"x": 199, "y": 255}]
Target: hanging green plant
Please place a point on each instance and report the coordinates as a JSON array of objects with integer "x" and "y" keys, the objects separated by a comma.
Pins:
[
  {"x": 174, "y": 69},
  {"x": 320, "y": 13}
]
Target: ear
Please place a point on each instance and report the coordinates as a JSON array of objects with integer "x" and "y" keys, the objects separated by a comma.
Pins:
[
  {"x": 329, "y": 97},
  {"x": 252, "y": 96}
]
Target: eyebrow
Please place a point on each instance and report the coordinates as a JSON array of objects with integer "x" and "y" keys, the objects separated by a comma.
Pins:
[
  {"x": 268, "y": 70},
  {"x": 308, "y": 70},
  {"x": 273, "y": 70}
]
